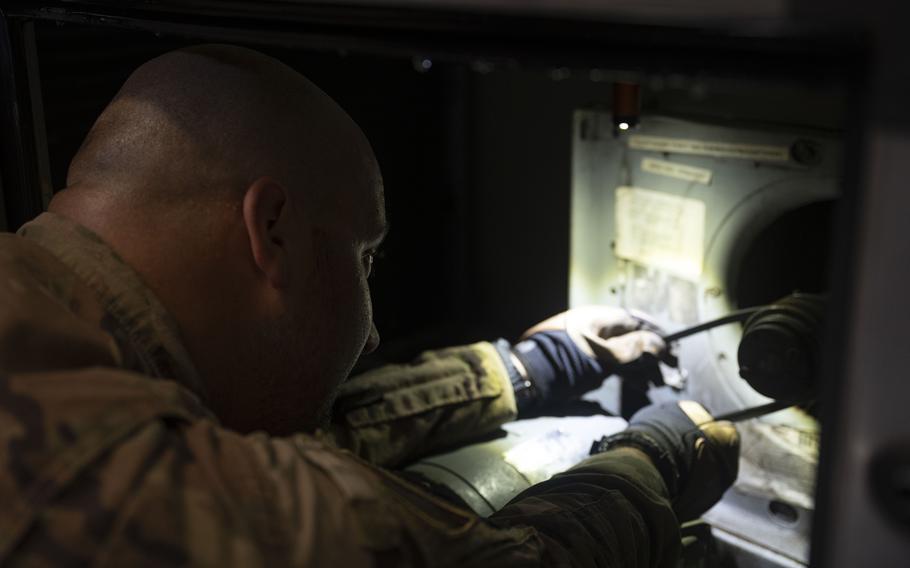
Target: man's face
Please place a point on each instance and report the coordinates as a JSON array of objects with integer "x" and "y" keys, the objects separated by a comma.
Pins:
[{"x": 329, "y": 319}]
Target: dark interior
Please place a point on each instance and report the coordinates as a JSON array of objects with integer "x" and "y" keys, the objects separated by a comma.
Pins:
[
  {"x": 476, "y": 155},
  {"x": 476, "y": 158},
  {"x": 789, "y": 255}
]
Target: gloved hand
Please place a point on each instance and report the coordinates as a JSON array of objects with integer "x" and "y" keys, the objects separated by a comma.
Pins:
[
  {"x": 698, "y": 463},
  {"x": 572, "y": 353}
]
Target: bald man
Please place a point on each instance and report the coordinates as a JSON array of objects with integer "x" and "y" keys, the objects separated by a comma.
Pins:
[{"x": 174, "y": 331}]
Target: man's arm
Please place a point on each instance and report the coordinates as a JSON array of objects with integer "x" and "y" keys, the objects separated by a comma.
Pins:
[
  {"x": 613, "y": 509},
  {"x": 173, "y": 487},
  {"x": 623, "y": 505},
  {"x": 398, "y": 413},
  {"x": 215, "y": 497},
  {"x": 301, "y": 502}
]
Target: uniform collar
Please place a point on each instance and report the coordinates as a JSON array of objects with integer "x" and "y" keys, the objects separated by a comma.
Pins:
[{"x": 145, "y": 331}]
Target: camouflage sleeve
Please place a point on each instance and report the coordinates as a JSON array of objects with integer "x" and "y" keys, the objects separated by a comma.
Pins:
[
  {"x": 213, "y": 497},
  {"x": 398, "y": 413},
  {"x": 221, "y": 499},
  {"x": 126, "y": 472},
  {"x": 610, "y": 510},
  {"x": 107, "y": 468}
]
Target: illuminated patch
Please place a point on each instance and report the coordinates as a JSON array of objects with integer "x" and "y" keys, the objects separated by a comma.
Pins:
[{"x": 660, "y": 230}]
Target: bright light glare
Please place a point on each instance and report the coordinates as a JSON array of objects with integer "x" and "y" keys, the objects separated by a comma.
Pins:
[{"x": 623, "y": 125}]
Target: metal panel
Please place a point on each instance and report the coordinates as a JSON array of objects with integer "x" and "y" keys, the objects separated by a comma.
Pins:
[
  {"x": 700, "y": 11},
  {"x": 24, "y": 162},
  {"x": 557, "y": 38},
  {"x": 756, "y": 177},
  {"x": 870, "y": 416},
  {"x": 866, "y": 414}
]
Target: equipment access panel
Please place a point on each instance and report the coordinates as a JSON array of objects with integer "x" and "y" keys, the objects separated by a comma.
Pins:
[{"x": 689, "y": 221}]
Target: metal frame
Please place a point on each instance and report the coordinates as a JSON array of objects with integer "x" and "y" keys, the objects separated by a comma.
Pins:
[
  {"x": 26, "y": 178},
  {"x": 782, "y": 52}
]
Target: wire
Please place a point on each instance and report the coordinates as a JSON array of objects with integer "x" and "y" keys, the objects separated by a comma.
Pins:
[
  {"x": 732, "y": 317},
  {"x": 753, "y": 412}
]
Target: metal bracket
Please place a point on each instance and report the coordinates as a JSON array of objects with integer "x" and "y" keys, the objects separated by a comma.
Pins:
[{"x": 24, "y": 162}]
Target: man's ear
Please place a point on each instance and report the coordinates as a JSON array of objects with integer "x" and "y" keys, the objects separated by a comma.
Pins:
[{"x": 266, "y": 216}]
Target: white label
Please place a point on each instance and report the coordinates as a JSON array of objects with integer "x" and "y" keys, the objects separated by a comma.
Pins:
[
  {"x": 660, "y": 230},
  {"x": 678, "y": 171},
  {"x": 758, "y": 152}
]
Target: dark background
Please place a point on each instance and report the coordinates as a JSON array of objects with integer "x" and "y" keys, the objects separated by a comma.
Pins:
[{"x": 476, "y": 159}]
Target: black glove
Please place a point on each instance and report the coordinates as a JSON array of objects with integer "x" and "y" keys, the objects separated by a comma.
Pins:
[
  {"x": 549, "y": 366},
  {"x": 572, "y": 353},
  {"x": 697, "y": 463},
  {"x": 557, "y": 367}
]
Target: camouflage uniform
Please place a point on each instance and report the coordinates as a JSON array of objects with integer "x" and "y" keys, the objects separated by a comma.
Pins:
[{"x": 108, "y": 455}]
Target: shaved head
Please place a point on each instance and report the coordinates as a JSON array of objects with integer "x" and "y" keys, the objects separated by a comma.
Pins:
[
  {"x": 250, "y": 204},
  {"x": 209, "y": 119}
]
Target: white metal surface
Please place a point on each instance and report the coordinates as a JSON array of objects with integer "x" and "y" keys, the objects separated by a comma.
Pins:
[{"x": 780, "y": 451}]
